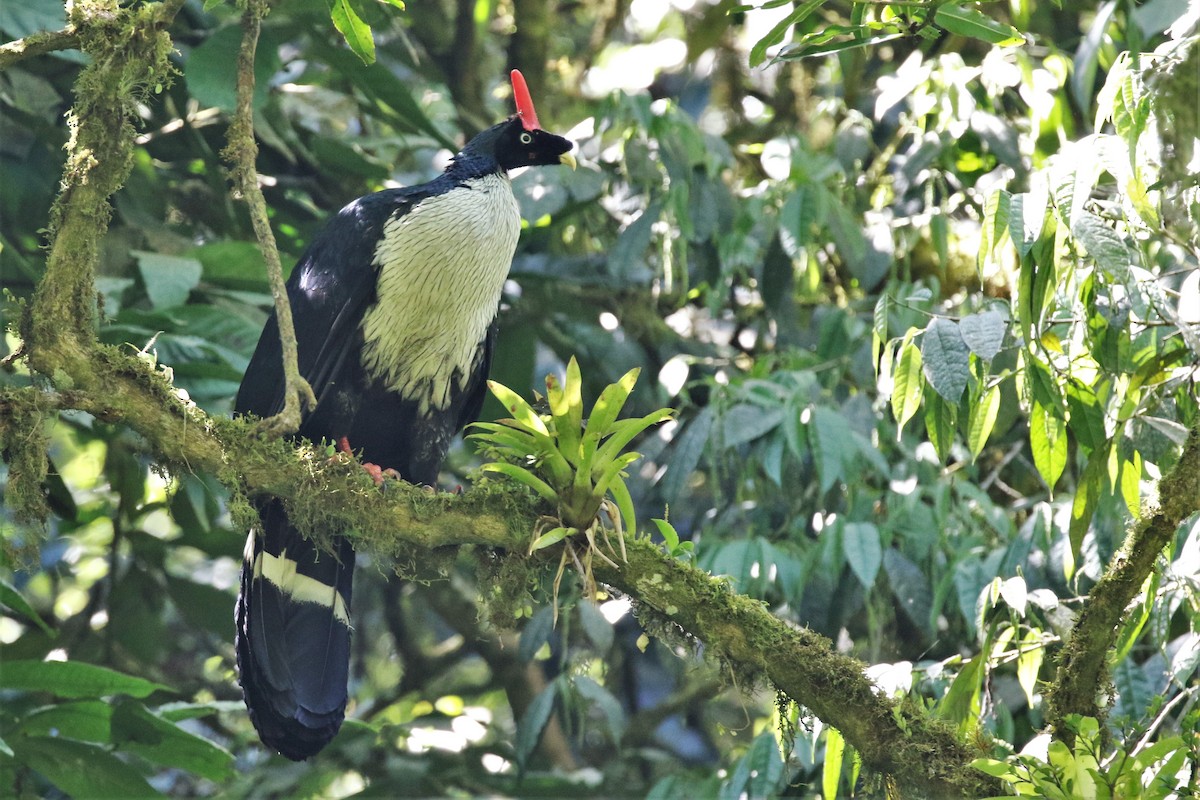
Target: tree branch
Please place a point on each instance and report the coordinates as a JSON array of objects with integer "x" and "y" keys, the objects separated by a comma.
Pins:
[
  {"x": 37, "y": 44},
  {"x": 241, "y": 152},
  {"x": 1083, "y": 664}
]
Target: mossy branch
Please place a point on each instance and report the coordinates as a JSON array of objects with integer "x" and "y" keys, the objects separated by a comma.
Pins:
[
  {"x": 1083, "y": 665},
  {"x": 37, "y": 44},
  {"x": 241, "y": 152}
]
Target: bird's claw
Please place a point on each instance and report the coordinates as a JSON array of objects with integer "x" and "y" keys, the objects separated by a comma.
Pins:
[{"x": 376, "y": 472}]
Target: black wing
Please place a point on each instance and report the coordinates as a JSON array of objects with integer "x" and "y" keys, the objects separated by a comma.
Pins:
[{"x": 329, "y": 291}]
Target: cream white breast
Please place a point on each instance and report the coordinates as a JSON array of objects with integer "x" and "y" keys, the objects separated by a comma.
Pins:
[{"x": 441, "y": 267}]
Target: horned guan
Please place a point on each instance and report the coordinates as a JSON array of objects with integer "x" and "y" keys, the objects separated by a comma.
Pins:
[{"x": 394, "y": 305}]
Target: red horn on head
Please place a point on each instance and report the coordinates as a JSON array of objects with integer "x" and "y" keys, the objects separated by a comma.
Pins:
[{"x": 524, "y": 102}]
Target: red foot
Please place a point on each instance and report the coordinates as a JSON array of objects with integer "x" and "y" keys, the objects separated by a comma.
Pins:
[{"x": 374, "y": 470}]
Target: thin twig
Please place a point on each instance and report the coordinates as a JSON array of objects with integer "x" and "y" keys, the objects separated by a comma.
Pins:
[{"x": 241, "y": 152}]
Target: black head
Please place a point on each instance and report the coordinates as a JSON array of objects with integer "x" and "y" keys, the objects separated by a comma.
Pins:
[
  {"x": 517, "y": 146},
  {"x": 510, "y": 145},
  {"x": 519, "y": 141}
]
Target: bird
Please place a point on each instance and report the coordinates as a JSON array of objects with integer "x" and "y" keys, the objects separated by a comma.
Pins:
[{"x": 394, "y": 305}]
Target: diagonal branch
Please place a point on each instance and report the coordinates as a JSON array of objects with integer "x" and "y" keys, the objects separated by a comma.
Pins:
[
  {"x": 241, "y": 152},
  {"x": 1083, "y": 665}
]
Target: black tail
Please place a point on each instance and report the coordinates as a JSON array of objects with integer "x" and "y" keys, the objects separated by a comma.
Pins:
[{"x": 293, "y": 635}]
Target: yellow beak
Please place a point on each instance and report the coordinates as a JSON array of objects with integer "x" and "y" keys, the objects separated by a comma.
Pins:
[{"x": 568, "y": 159}]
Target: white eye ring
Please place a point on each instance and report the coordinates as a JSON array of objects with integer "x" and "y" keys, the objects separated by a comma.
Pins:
[{"x": 526, "y": 138}]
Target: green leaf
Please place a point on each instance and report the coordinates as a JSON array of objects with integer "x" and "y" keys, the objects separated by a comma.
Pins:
[
  {"x": 168, "y": 279},
  {"x": 550, "y": 537},
  {"x": 776, "y": 34},
  {"x": 997, "y": 211},
  {"x": 1087, "y": 417},
  {"x": 624, "y": 501},
  {"x": 533, "y": 722},
  {"x": 607, "y": 409},
  {"x": 1029, "y": 663},
  {"x": 830, "y": 433},
  {"x": 1049, "y": 442},
  {"x": 984, "y": 333},
  {"x": 831, "y": 771},
  {"x": 627, "y": 256},
  {"x": 136, "y": 729},
  {"x": 760, "y": 771},
  {"x": 907, "y": 384},
  {"x": 10, "y": 597},
  {"x": 961, "y": 703},
  {"x": 524, "y": 476},
  {"x": 863, "y": 547},
  {"x": 983, "y": 419},
  {"x": 86, "y": 720},
  {"x": 806, "y": 48},
  {"x": 356, "y": 32},
  {"x": 599, "y": 697},
  {"x": 688, "y": 447},
  {"x": 975, "y": 24},
  {"x": 668, "y": 532},
  {"x": 392, "y": 98},
  {"x": 81, "y": 769},
  {"x": 535, "y": 634},
  {"x": 521, "y": 410},
  {"x": 940, "y": 423},
  {"x": 598, "y": 629},
  {"x": 946, "y": 359},
  {"x": 211, "y": 69},
  {"x": 623, "y": 432},
  {"x": 1087, "y": 497},
  {"x": 73, "y": 679},
  {"x": 745, "y": 422},
  {"x": 1105, "y": 245}
]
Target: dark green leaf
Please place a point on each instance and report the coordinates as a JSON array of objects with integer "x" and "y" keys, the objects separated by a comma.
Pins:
[
  {"x": 627, "y": 258},
  {"x": 533, "y": 722},
  {"x": 136, "y": 729},
  {"x": 940, "y": 422},
  {"x": 976, "y": 25},
  {"x": 863, "y": 548},
  {"x": 80, "y": 769},
  {"x": 946, "y": 359},
  {"x": 599, "y": 697},
  {"x": 1103, "y": 244},
  {"x": 73, "y": 679},
  {"x": 961, "y": 703},
  {"x": 536, "y": 633},
  {"x": 830, "y": 433},
  {"x": 984, "y": 333},
  {"x": 168, "y": 279},
  {"x": 211, "y": 69},
  {"x": 10, "y": 597},
  {"x": 598, "y": 629},
  {"x": 746, "y": 422},
  {"x": 688, "y": 447},
  {"x": 758, "y": 773},
  {"x": 87, "y": 720},
  {"x": 1083, "y": 507}
]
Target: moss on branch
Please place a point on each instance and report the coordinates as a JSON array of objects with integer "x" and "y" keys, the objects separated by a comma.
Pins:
[{"x": 1083, "y": 664}]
